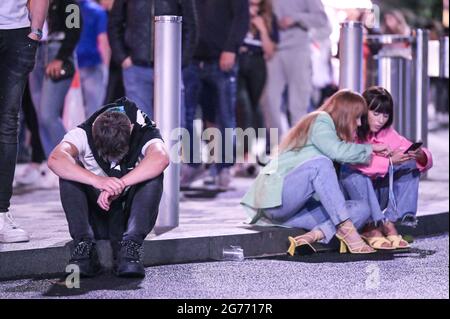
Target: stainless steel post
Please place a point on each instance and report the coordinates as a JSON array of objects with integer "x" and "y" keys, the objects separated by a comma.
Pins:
[
  {"x": 443, "y": 59},
  {"x": 394, "y": 74},
  {"x": 418, "y": 113},
  {"x": 167, "y": 99},
  {"x": 351, "y": 56}
]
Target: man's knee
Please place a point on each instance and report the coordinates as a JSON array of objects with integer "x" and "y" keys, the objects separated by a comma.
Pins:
[
  {"x": 67, "y": 187},
  {"x": 153, "y": 186}
]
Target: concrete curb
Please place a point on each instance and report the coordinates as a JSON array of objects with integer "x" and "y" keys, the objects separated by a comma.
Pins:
[{"x": 51, "y": 262}]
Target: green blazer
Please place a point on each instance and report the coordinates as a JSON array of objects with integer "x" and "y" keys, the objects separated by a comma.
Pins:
[{"x": 266, "y": 191}]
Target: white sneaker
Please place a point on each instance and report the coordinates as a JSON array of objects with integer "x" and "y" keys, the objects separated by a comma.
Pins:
[
  {"x": 31, "y": 174},
  {"x": 190, "y": 174},
  {"x": 48, "y": 180},
  {"x": 9, "y": 231}
]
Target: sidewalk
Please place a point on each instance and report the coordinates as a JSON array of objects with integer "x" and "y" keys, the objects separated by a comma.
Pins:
[{"x": 207, "y": 225}]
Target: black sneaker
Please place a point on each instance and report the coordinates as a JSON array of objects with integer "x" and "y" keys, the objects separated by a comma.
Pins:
[
  {"x": 86, "y": 258},
  {"x": 128, "y": 263}
]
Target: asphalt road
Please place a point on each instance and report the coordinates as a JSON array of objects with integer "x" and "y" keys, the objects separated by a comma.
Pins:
[{"x": 422, "y": 272}]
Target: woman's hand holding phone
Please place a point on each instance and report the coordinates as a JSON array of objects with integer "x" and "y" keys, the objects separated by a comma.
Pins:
[{"x": 398, "y": 157}]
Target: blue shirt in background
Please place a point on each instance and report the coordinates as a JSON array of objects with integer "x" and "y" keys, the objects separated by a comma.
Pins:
[{"x": 95, "y": 22}]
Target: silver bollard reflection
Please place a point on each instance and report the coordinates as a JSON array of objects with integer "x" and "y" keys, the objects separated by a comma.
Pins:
[
  {"x": 443, "y": 60},
  {"x": 394, "y": 74},
  {"x": 167, "y": 99},
  {"x": 418, "y": 115},
  {"x": 351, "y": 56}
]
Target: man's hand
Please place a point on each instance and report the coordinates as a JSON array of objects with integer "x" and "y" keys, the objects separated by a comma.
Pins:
[
  {"x": 54, "y": 68},
  {"x": 33, "y": 36},
  {"x": 286, "y": 23},
  {"x": 227, "y": 61},
  {"x": 112, "y": 185},
  {"x": 105, "y": 199},
  {"x": 127, "y": 63}
]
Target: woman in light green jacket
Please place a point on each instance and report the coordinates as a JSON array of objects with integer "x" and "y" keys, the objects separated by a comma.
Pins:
[{"x": 299, "y": 188}]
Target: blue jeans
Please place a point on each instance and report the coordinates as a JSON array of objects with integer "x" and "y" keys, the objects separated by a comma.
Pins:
[
  {"x": 301, "y": 210},
  {"x": 215, "y": 91},
  {"x": 48, "y": 98},
  {"x": 17, "y": 58},
  {"x": 138, "y": 82},
  {"x": 93, "y": 85},
  {"x": 375, "y": 192}
]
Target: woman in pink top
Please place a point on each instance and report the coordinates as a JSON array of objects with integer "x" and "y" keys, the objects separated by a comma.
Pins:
[{"x": 372, "y": 183}]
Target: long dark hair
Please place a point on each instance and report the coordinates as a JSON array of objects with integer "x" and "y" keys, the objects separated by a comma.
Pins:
[
  {"x": 265, "y": 10},
  {"x": 378, "y": 100}
]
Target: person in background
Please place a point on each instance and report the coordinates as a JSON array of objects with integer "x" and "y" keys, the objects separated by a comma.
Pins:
[
  {"x": 291, "y": 65},
  {"x": 19, "y": 36},
  {"x": 210, "y": 82},
  {"x": 131, "y": 37},
  {"x": 394, "y": 23},
  {"x": 93, "y": 54},
  {"x": 115, "y": 88},
  {"x": 322, "y": 70},
  {"x": 259, "y": 45},
  {"x": 52, "y": 75},
  {"x": 389, "y": 201},
  {"x": 299, "y": 188}
]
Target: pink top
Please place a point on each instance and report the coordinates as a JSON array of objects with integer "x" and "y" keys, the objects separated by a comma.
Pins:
[{"x": 379, "y": 165}]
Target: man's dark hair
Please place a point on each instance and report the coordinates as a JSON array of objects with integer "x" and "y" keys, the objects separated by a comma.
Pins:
[
  {"x": 379, "y": 100},
  {"x": 111, "y": 132}
]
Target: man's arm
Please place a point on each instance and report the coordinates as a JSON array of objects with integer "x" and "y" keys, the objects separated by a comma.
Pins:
[
  {"x": 72, "y": 34},
  {"x": 38, "y": 13},
  {"x": 155, "y": 161},
  {"x": 236, "y": 34},
  {"x": 62, "y": 162},
  {"x": 239, "y": 26},
  {"x": 190, "y": 29},
  {"x": 102, "y": 38},
  {"x": 116, "y": 31}
]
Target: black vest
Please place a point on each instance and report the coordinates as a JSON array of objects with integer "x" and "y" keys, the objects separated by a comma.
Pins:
[{"x": 143, "y": 131}]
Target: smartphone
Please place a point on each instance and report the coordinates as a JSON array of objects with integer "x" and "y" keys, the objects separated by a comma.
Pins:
[{"x": 414, "y": 147}]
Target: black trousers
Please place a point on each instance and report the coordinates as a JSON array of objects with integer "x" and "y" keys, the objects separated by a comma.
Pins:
[
  {"x": 87, "y": 221},
  {"x": 251, "y": 81},
  {"x": 17, "y": 58},
  {"x": 31, "y": 121}
]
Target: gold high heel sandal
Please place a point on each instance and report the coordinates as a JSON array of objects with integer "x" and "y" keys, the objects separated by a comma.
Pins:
[
  {"x": 377, "y": 242},
  {"x": 396, "y": 240},
  {"x": 300, "y": 246},
  {"x": 358, "y": 247}
]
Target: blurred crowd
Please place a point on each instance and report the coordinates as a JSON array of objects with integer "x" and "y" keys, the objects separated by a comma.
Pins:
[{"x": 246, "y": 63}]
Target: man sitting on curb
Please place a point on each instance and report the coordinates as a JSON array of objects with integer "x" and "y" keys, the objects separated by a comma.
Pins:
[{"x": 111, "y": 182}]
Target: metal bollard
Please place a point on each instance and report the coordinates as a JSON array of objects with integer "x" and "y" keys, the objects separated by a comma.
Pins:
[
  {"x": 167, "y": 99},
  {"x": 351, "y": 56},
  {"x": 443, "y": 59},
  {"x": 394, "y": 74},
  {"x": 417, "y": 114}
]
